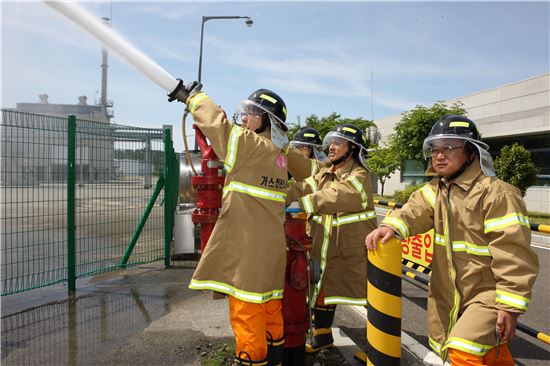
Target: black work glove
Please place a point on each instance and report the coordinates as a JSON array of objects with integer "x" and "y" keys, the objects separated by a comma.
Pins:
[{"x": 181, "y": 92}]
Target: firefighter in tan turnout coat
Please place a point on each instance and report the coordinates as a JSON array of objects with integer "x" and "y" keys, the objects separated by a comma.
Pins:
[
  {"x": 483, "y": 268},
  {"x": 245, "y": 257},
  {"x": 340, "y": 199}
]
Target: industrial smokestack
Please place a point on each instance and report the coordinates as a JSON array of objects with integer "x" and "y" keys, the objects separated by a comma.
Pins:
[
  {"x": 104, "y": 67},
  {"x": 43, "y": 98}
]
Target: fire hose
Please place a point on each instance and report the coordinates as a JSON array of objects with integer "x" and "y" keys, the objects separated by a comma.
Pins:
[{"x": 187, "y": 152}]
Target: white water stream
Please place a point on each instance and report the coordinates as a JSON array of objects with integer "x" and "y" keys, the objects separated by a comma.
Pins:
[{"x": 116, "y": 43}]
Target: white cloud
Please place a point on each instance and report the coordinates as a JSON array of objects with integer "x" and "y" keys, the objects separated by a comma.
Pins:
[{"x": 38, "y": 21}]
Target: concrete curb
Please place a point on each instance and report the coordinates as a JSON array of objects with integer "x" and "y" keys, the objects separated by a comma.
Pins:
[{"x": 345, "y": 345}]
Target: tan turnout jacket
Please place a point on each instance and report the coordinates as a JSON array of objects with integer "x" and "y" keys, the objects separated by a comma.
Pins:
[
  {"x": 305, "y": 170},
  {"x": 343, "y": 209},
  {"x": 246, "y": 254},
  {"x": 482, "y": 260}
]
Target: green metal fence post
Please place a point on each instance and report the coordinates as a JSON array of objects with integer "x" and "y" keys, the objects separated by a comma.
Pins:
[
  {"x": 71, "y": 222},
  {"x": 167, "y": 196},
  {"x": 175, "y": 178}
]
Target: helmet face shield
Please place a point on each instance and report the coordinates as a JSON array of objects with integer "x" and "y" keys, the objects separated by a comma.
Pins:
[
  {"x": 319, "y": 154},
  {"x": 247, "y": 108},
  {"x": 251, "y": 108},
  {"x": 317, "y": 150},
  {"x": 451, "y": 128},
  {"x": 334, "y": 137},
  {"x": 450, "y": 140},
  {"x": 278, "y": 128},
  {"x": 431, "y": 142},
  {"x": 298, "y": 144}
]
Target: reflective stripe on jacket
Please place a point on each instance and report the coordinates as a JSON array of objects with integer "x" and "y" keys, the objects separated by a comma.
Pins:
[
  {"x": 343, "y": 209},
  {"x": 246, "y": 254},
  {"x": 482, "y": 244}
]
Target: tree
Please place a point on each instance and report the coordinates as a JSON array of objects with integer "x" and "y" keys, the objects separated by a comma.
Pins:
[
  {"x": 515, "y": 166},
  {"x": 326, "y": 124},
  {"x": 383, "y": 162},
  {"x": 414, "y": 127}
]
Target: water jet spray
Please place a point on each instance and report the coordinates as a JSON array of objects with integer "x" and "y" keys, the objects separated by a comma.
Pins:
[{"x": 108, "y": 37}]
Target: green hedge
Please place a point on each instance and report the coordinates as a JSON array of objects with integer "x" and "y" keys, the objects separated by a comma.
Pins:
[{"x": 403, "y": 196}]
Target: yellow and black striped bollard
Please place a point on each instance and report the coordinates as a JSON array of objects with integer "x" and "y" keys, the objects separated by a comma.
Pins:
[{"x": 384, "y": 305}]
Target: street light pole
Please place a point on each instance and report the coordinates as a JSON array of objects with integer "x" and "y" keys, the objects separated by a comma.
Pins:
[{"x": 248, "y": 22}]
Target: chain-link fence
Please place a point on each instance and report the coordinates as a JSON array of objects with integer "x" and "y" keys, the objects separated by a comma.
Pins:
[{"x": 72, "y": 198}]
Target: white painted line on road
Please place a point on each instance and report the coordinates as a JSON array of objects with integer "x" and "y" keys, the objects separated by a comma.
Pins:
[
  {"x": 411, "y": 344},
  {"x": 540, "y": 247}
]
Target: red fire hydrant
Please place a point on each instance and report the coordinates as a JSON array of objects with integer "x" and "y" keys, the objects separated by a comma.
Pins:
[
  {"x": 209, "y": 186},
  {"x": 295, "y": 312}
]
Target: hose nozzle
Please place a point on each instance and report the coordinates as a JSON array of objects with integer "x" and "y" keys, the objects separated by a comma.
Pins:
[{"x": 179, "y": 93}]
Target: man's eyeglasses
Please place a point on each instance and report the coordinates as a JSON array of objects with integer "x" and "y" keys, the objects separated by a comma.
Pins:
[
  {"x": 238, "y": 117},
  {"x": 445, "y": 150}
]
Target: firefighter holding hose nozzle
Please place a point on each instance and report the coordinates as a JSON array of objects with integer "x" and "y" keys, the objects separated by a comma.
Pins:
[{"x": 245, "y": 257}]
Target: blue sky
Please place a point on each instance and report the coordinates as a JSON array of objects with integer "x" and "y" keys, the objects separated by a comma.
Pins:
[{"x": 319, "y": 56}]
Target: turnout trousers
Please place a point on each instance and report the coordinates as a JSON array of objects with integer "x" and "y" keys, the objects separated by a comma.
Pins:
[{"x": 254, "y": 325}]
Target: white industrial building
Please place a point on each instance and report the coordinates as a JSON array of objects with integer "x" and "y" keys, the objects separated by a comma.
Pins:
[{"x": 516, "y": 112}]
